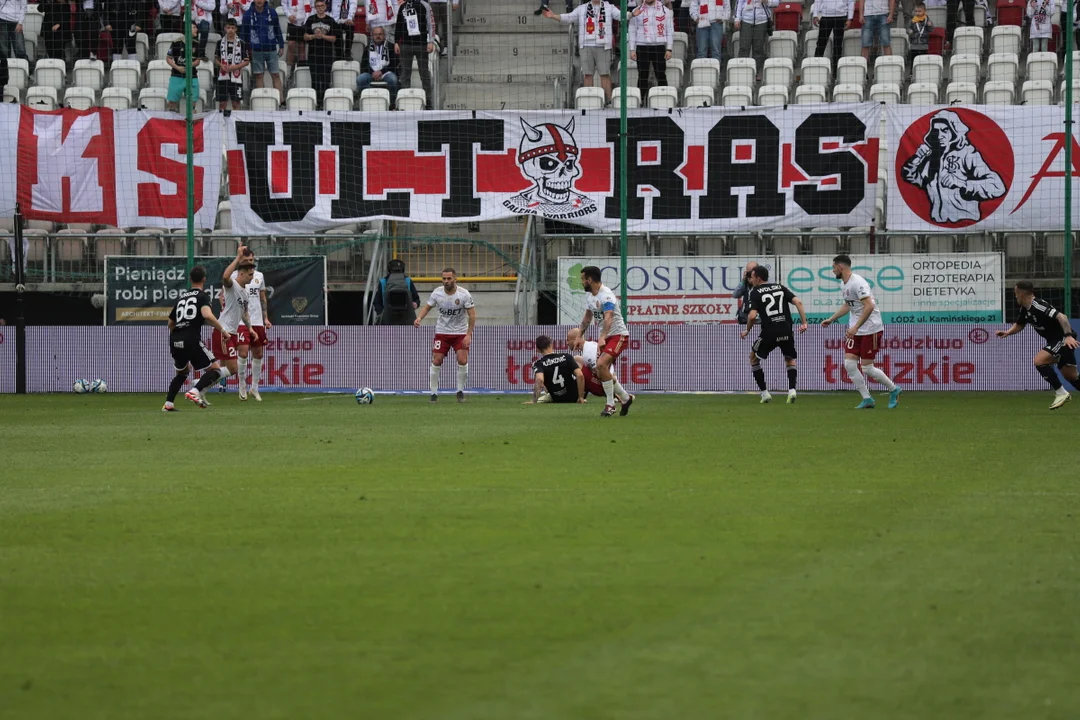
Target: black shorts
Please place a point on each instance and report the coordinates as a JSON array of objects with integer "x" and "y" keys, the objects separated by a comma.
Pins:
[
  {"x": 228, "y": 90},
  {"x": 185, "y": 351},
  {"x": 566, "y": 398},
  {"x": 295, "y": 33},
  {"x": 1065, "y": 355},
  {"x": 765, "y": 344}
]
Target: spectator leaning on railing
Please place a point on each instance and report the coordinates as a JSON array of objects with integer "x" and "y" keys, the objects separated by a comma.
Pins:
[
  {"x": 595, "y": 20},
  {"x": 753, "y": 22},
  {"x": 710, "y": 16},
  {"x": 832, "y": 17},
  {"x": 652, "y": 36}
]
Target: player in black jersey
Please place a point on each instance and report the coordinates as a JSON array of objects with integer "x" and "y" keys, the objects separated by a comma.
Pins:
[
  {"x": 558, "y": 374},
  {"x": 771, "y": 302},
  {"x": 1061, "y": 344},
  {"x": 186, "y": 319}
]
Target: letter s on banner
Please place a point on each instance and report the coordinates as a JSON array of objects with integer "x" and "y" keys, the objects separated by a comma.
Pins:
[{"x": 154, "y": 137}]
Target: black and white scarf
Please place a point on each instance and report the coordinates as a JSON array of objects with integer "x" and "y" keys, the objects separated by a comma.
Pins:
[
  {"x": 231, "y": 52},
  {"x": 590, "y": 14}
]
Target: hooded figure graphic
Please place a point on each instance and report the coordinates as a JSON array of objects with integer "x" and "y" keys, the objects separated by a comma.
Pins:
[{"x": 952, "y": 171}]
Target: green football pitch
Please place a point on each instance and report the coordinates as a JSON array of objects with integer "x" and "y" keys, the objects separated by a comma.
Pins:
[{"x": 705, "y": 557}]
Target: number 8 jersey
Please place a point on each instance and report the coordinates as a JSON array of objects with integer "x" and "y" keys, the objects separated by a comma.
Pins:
[{"x": 187, "y": 314}]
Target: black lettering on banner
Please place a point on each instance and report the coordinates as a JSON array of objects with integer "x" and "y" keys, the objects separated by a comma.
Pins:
[
  {"x": 845, "y": 163},
  {"x": 350, "y": 139},
  {"x": 461, "y": 136},
  {"x": 763, "y": 174},
  {"x": 301, "y": 138},
  {"x": 670, "y": 201}
]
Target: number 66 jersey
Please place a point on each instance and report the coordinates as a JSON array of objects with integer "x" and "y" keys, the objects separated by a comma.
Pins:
[{"x": 185, "y": 341}]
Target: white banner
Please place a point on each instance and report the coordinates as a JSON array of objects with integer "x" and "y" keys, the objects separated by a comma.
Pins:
[
  {"x": 122, "y": 168},
  {"x": 992, "y": 168},
  {"x": 697, "y": 170},
  {"x": 663, "y": 290},
  {"x": 909, "y": 289}
]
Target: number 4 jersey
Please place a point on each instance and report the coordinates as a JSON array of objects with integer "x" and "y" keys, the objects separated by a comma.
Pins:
[
  {"x": 558, "y": 371},
  {"x": 187, "y": 314}
]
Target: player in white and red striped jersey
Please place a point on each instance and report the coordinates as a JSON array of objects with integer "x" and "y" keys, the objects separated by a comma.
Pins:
[
  {"x": 234, "y": 307},
  {"x": 590, "y": 354},
  {"x": 602, "y": 307},
  {"x": 251, "y": 340},
  {"x": 453, "y": 330}
]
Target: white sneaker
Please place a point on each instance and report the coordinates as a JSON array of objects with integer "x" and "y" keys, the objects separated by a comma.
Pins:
[
  {"x": 242, "y": 393},
  {"x": 255, "y": 394},
  {"x": 791, "y": 395},
  {"x": 765, "y": 397},
  {"x": 196, "y": 397},
  {"x": 1060, "y": 400}
]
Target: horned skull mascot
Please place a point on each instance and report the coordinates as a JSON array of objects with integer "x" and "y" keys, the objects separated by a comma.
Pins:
[{"x": 549, "y": 157}]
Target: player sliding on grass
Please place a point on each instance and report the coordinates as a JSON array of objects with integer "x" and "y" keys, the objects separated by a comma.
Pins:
[
  {"x": 557, "y": 376},
  {"x": 186, "y": 319},
  {"x": 1061, "y": 344},
  {"x": 590, "y": 353},
  {"x": 602, "y": 306},
  {"x": 863, "y": 334},
  {"x": 772, "y": 302}
]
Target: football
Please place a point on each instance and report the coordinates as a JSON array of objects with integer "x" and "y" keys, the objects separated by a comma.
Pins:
[
  {"x": 99, "y": 386},
  {"x": 365, "y": 396},
  {"x": 80, "y": 386}
]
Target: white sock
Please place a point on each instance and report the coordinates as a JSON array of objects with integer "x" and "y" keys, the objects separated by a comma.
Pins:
[
  {"x": 462, "y": 376},
  {"x": 619, "y": 391},
  {"x": 852, "y": 367},
  {"x": 242, "y": 375},
  {"x": 1061, "y": 391},
  {"x": 434, "y": 379},
  {"x": 256, "y": 371},
  {"x": 223, "y": 372},
  {"x": 875, "y": 373},
  {"x": 609, "y": 390}
]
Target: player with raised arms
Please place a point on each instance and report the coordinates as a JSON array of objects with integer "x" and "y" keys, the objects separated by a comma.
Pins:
[
  {"x": 590, "y": 353},
  {"x": 772, "y": 302},
  {"x": 251, "y": 340},
  {"x": 1061, "y": 343},
  {"x": 186, "y": 319},
  {"x": 234, "y": 307},
  {"x": 602, "y": 307},
  {"x": 864, "y": 333},
  {"x": 453, "y": 330},
  {"x": 557, "y": 376}
]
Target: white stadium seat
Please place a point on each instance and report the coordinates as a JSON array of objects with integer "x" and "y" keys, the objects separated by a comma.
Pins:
[
  {"x": 680, "y": 42},
  {"x": 928, "y": 69},
  {"x": 1005, "y": 39},
  {"x": 890, "y": 69},
  {"x": 1075, "y": 89},
  {"x": 810, "y": 94},
  {"x": 772, "y": 95},
  {"x": 968, "y": 41},
  {"x": 852, "y": 43},
  {"x": 741, "y": 71},
  {"x": 663, "y": 97},
  {"x": 1002, "y": 67},
  {"x": 375, "y": 100},
  {"x": 163, "y": 42},
  {"x": 698, "y": 96},
  {"x": 888, "y": 93},
  {"x": 783, "y": 44},
  {"x": 50, "y": 73},
  {"x": 301, "y": 77},
  {"x": 302, "y": 99},
  {"x": 898, "y": 40},
  {"x": 998, "y": 92},
  {"x": 116, "y": 98},
  {"x": 80, "y": 98},
  {"x": 152, "y": 98},
  {"x": 816, "y": 71},
  {"x": 922, "y": 94},
  {"x": 158, "y": 73},
  {"x": 675, "y": 72},
  {"x": 89, "y": 74},
  {"x": 705, "y": 72},
  {"x": 18, "y": 73},
  {"x": 1037, "y": 92},
  {"x": 849, "y": 93},
  {"x": 738, "y": 96},
  {"x": 851, "y": 71},
  {"x": 142, "y": 48},
  {"x": 338, "y": 99},
  {"x": 589, "y": 98},
  {"x": 778, "y": 71},
  {"x": 344, "y": 74},
  {"x": 964, "y": 68},
  {"x": 1042, "y": 66},
  {"x": 965, "y": 93},
  {"x": 412, "y": 99},
  {"x": 12, "y": 94},
  {"x": 42, "y": 98},
  {"x": 633, "y": 97},
  {"x": 125, "y": 74},
  {"x": 265, "y": 99}
]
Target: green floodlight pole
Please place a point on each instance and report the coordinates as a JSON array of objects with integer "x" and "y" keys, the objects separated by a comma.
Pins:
[
  {"x": 190, "y": 106},
  {"x": 623, "y": 190},
  {"x": 1068, "y": 155}
]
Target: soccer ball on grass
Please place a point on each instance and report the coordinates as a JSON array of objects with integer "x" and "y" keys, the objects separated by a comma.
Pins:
[
  {"x": 365, "y": 396},
  {"x": 99, "y": 386},
  {"x": 80, "y": 386}
]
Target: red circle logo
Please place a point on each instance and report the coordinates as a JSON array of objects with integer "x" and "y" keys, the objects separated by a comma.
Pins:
[
  {"x": 328, "y": 338},
  {"x": 978, "y": 336},
  {"x": 954, "y": 167}
]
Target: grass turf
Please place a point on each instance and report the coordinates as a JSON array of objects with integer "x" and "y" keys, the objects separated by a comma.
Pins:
[{"x": 705, "y": 557}]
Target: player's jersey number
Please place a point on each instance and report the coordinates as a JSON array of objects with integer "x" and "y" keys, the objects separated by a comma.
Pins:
[
  {"x": 557, "y": 378},
  {"x": 774, "y": 303},
  {"x": 187, "y": 309}
]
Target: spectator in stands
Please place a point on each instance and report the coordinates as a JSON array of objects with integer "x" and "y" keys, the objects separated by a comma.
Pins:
[
  {"x": 569, "y": 6},
  {"x": 1040, "y": 14},
  {"x": 397, "y": 299},
  {"x": 381, "y": 13},
  {"x": 441, "y": 8},
  {"x": 234, "y": 9},
  {"x": 56, "y": 26},
  {"x": 177, "y": 59},
  {"x": 262, "y": 35},
  {"x": 171, "y": 14},
  {"x": 832, "y": 17},
  {"x": 595, "y": 20},
  {"x": 952, "y": 9},
  {"x": 297, "y": 13},
  {"x": 380, "y": 64},
  {"x": 88, "y": 28},
  {"x": 232, "y": 59},
  {"x": 753, "y": 22},
  {"x": 709, "y": 16},
  {"x": 202, "y": 12},
  {"x": 4, "y": 72},
  {"x": 877, "y": 16},
  {"x": 12, "y": 14},
  {"x": 652, "y": 36},
  {"x": 321, "y": 36},
  {"x": 742, "y": 293},
  {"x": 126, "y": 18},
  {"x": 918, "y": 31},
  {"x": 414, "y": 38},
  {"x": 344, "y": 13}
]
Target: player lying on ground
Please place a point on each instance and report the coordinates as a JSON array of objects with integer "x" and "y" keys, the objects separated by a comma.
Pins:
[
  {"x": 590, "y": 354},
  {"x": 772, "y": 302},
  {"x": 234, "y": 307},
  {"x": 186, "y": 319},
  {"x": 863, "y": 337},
  {"x": 453, "y": 330},
  {"x": 602, "y": 308},
  {"x": 1061, "y": 344},
  {"x": 557, "y": 376}
]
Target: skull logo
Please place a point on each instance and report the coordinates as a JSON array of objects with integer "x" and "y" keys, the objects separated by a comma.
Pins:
[{"x": 549, "y": 157}]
